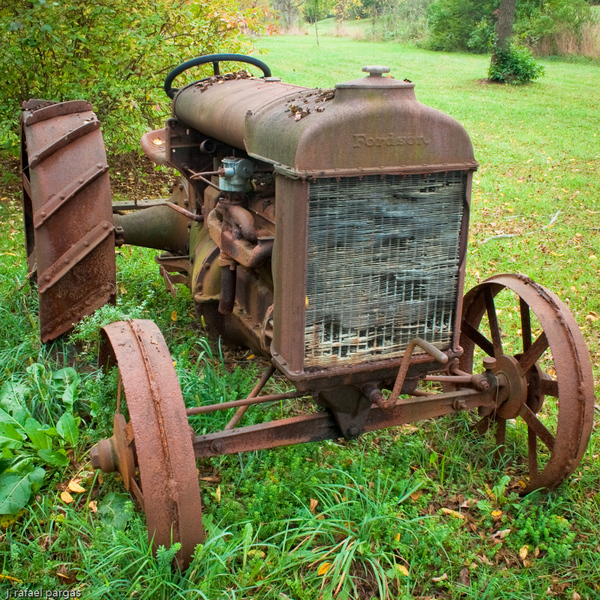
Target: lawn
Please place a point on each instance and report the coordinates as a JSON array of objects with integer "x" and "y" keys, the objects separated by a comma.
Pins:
[{"x": 421, "y": 511}]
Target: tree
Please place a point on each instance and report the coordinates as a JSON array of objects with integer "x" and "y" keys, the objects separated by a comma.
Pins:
[
  {"x": 288, "y": 11},
  {"x": 508, "y": 64},
  {"x": 505, "y": 18},
  {"x": 114, "y": 53},
  {"x": 315, "y": 10}
]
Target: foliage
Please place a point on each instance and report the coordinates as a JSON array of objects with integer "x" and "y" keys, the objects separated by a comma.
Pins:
[
  {"x": 539, "y": 21},
  {"x": 515, "y": 65},
  {"x": 453, "y": 22},
  {"x": 26, "y": 442},
  {"x": 315, "y": 10},
  {"x": 405, "y": 21},
  {"x": 287, "y": 12},
  {"x": 469, "y": 25},
  {"x": 110, "y": 53}
]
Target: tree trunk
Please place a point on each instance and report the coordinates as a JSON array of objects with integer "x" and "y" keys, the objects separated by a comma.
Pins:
[{"x": 504, "y": 25}]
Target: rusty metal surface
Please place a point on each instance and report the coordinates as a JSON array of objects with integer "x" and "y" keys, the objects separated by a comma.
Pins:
[
  {"x": 240, "y": 412},
  {"x": 154, "y": 146},
  {"x": 163, "y": 226},
  {"x": 371, "y": 111},
  {"x": 430, "y": 349},
  {"x": 219, "y": 111},
  {"x": 560, "y": 346},
  {"x": 323, "y": 426},
  {"x": 249, "y": 401},
  {"x": 67, "y": 212},
  {"x": 373, "y": 124},
  {"x": 381, "y": 297},
  {"x": 163, "y": 447}
]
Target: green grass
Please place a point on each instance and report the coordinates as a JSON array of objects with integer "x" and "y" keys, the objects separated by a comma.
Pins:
[{"x": 418, "y": 511}]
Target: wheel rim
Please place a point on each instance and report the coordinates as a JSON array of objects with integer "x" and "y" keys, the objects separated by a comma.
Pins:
[
  {"x": 547, "y": 337},
  {"x": 167, "y": 482}
]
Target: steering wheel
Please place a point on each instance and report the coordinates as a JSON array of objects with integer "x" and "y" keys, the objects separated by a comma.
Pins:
[{"x": 215, "y": 59}]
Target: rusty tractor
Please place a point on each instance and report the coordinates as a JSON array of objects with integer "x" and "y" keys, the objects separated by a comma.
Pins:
[{"x": 326, "y": 230}]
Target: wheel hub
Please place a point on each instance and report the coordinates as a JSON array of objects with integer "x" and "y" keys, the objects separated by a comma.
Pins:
[
  {"x": 512, "y": 386},
  {"x": 116, "y": 453}
]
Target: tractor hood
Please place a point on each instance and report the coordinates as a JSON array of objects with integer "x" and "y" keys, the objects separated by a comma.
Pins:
[{"x": 375, "y": 122}]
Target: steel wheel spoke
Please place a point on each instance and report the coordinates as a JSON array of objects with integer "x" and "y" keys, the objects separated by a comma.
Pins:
[
  {"x": 483, "y": 424},
  {"x": 534, "y": 353},
  {"x": 493, "y": 321},
  {"x": 525, "y": 324},
  {"x": 549, "y": 387},
  {"x": 537, "y": 427},
  {"x": 477, "y": 337}
]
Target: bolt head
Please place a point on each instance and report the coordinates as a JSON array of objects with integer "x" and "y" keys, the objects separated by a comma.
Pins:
[
  {"x": 489, "y": 362},
  {"x": 483, "y": 385},
  {"x": 217, "y": 446}
]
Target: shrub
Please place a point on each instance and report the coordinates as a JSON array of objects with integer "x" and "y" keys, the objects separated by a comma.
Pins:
[
  {"x": 108, "y": 52},
  {"x": 514, "y": 65}
]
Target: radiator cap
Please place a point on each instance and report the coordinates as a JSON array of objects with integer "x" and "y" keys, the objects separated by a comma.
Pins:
[{"x": 376, "y": 70}]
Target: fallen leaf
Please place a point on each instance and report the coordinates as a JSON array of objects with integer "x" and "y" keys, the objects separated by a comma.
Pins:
[
  {"x": 211, "y": 479},
  {"x": 523, "y": 552},
  {"x": 174, "y": 316},
  {"x": 576, "y": 596},
  {"x": 218, "y": 494},
  {"x": 75, "y": 487},
  {"x": 454, "y": 513},
  {"x": 313, "y": 505},
  {"x": 500, "y": 535},
  {"x": 324, "y": 568},
  {"x": 402, "y": 569},
  {"x": 66, "y": 497},
  {"x": 8, "y": 520},
  {"x": 496, "y": 514},
  {"x": 465, "y": 578},
  {"x": 438, "y": 579},
  {"x": 65, "y": 575},
  {"x": 416, "y": 495},
  {"x": 93, "y": 506}
]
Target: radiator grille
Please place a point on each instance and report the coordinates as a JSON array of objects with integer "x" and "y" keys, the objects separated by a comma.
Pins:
[{"x": 382, "y": 265}]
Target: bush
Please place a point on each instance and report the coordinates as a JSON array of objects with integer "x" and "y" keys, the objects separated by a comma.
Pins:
[
  {"x": 109, "y": 52},
  {"x": 515, "y": 65}
]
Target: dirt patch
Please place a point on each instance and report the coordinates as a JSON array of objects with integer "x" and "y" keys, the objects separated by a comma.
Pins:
[{"x": 134, "y": 177}]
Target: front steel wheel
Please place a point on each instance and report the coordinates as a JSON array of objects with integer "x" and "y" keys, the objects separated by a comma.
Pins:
[
  {"x": 530, "y": 341},
  {"x": 153, "y": 452}
]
